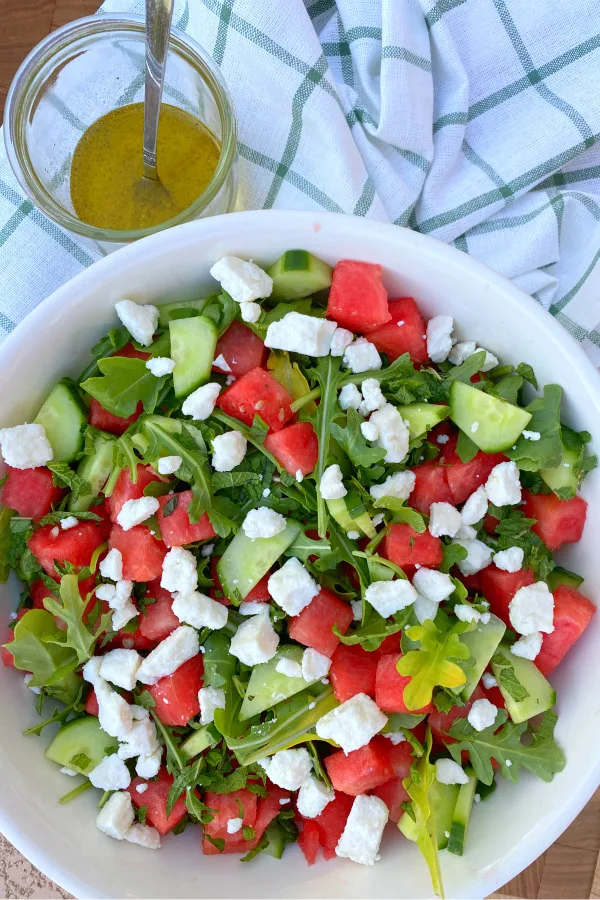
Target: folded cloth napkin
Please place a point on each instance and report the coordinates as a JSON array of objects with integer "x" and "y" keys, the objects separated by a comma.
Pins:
[{"x": 476, "y": 121}]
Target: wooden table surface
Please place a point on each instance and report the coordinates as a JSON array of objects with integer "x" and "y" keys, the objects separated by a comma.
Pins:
[{"x": 570, "y": 868}]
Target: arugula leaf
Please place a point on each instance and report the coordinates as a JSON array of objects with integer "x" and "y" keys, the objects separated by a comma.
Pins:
[
  {"x": 5, "y": 542},
  {"x": 305, "y": 547},
  {"x": 466, "y": 449},
  {"x": 402, "y": 513},
  {"x": 71, "y": 609},
  {"x": 506, "y": 388},
  {"x": 545, "y": 419},
  {"x": 418, "y": 786},
  {"x": 346, "y": 551},
  {"x": 527, "y": 373},
  {"x": 55, "y": 518},
  {"x": 352, "y": 442},
  {"x": 123, "y": 384},
  {"x": 371, "y": 633},
  {"x": 75, "y": 704},
  {"x": 37, "y": 647},
  {"x": 452, "y": 553},
  {"x": 506, "y": 676},
  {"x": 289, "y": 374},
  {"x": 222, "y": 309},
  {"x": 228, "y": 480},
  {"x": 219, "y": 665},
  {"x": 434, "y": 663},
  {"x": 113, "y": 341},
  {"x": 471, "y": 366},
  {"x": 328, "y": 375},
  {"x": 542, "y": 756}
]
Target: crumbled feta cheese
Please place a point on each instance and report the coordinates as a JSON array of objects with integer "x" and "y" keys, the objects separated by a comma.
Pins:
[
  {"x": 55, "y": 531},
  {"x": 140, "y": 321},
  {"x": 474, "y": 427},
  {"x": 439, "y": 338},
  {"x": 299, "y": 476},
  {"x": 372, "y": 397},
  {"x": 229, "y": 449},
  {"x": 490, "y": 362},
  {"x": 292, "y": 587},
  {"x": 112, "y": 565},
  {"x": 250, "y": 312},
  {"x": 116, "y": 816},
  {"x": 289, "y": 769},
  {"x": 532, "y": 609},
  {"x": 388, "y": 597},
  {"x": 25, "y": 446},
  {"x": 488, "y": 680},
  {"x": 466, "y": 613},
  {"x": 64, "y": 770},
  {"x": 263, "y": 523},
  {"x": 253, "y": 608},
  {"x": 510, "y": 560},
  {"x": 298, "y": 333},
  {"x": 331, "y": 484},
  {"x": 444, "y": 519},
  {"x": 341, "y": 339},
  {"x": 363, "y": 831},
  {"x": 393, "y": 433},
  {"x": 353, "y": 723},
  {"x": 461, "y": 351},
  {"x": 266, "y": 493},
  {"x": 528, "y": 646},
  {"x": 288, "y": 667},
  {"x": 478, "y": 557},
  {"x": 531, "y": 435},
  {"x": 141, "y": 788},
  {"x": 313, "y": 797},
  {"x": 442, "y": 438},
  {"x": 362, "y": 356},
  {"x": 244, "y": 281},
  {"x": 356, "y": 610},
  {"x": 120, "y": 667},
  {"x": 160, "y": 365},
  {"x": 369, "y": 431},
  {"x": 134, "y": 512},
  {"x": 449, "y": 772},
  {"x": 118, "y": 597},
  {"x": 353, "y": 535},
  {"x": 482, "y": 714},
  {"x": 255, "y": 641},
  {"x": 144, "y": 836},
  {"x": 475, "y": 507},
  {"x": 425, "y": 609},
  {"x": 181, "y": 645},
  {"x": 200, "y": 611},
  {"x": 221, "y": 363},
  {"x": 168, "y": 465},
  {"x": 377, "y": 519},
  {"x": 201, "y": 403},
  {"x": 149, "y": 766},
  {"x": 395, "y": 737},
  {"x": 433, "y": 585},
  {"x": 234, "y": 825},
  {"x": 179, "y": 572},
  {"x": 315, "y": 665},
  {"x": 210, "y": 699},
  {"x": 26, "y": 679},
  {"x": 466, "y": 533},
  {"x": 399, "y": 485},
  {"x": 69, "y": 522},
  {"x": 350, "y": 397},
  {"x": 503, "y": 487},
  {"x": 477, "y": 798},
  {"x": 111, "y": 774}
]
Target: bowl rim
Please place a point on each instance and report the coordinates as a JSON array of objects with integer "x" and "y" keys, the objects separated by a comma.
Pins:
[{"x": 162, "y": 243}]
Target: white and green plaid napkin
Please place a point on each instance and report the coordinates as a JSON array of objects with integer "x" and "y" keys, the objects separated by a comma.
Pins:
[{"x": 476, "y": 121}]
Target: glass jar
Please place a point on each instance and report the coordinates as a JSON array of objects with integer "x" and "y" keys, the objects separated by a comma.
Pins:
[{"x": 83, "y": 71}]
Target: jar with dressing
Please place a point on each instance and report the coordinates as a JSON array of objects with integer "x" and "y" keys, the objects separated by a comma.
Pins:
[{"x": 73, "y": 132}]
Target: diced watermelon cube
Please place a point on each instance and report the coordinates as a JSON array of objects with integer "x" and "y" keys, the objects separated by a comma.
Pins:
[
  {"x": 260, "y": 591},
  {"x": 401, "y": 756},
  {"x": 390, "y": 685},
  {"x": 352, "y": 672},
  {"x": 308, "y": 840},
  {"x": 440, "y": 723},
  {"x": 176, "y": 695},
  {"x": 360, "y": 770},
  {"x": 5, "y": 655},
  {"x": 91, "y": 703},
  {"x": 558, "y": 521},
  {"x": 154, "y": 799},
  {"x": 464, "y": 478},
  {"x": 357, "y": 297},
  {"x": 107, "y": 421},
  {"x": 394, "y": 794},
  {"x": 75, "y": 545},
  {"x": 313, "y": 627},
  {"x": 500, "y": 587},
  {"x": 238, "y": 804},
  {"x": 130, "y": 352},
  {"x": 407, "y": 548},
  {"x": 295, "y": 447},
  {"x": 572, "y": 614},
  {"x": 103, "y": 510},
  {"x": 241, "y": 349},
  {"x": 158, "y": 619},
  {"x": 266, "y": 810},
  {"x": 332, "y": 821},
  {"x": 142, "y": 553},
  {"x": 125, "y": 489},
  {"x": 30, "y": 492},
  {"x": 404, "y": 334},
  {"x": 430, "y": 487},
  {"x": 176, "y": 528},
  {"x": 257, "y": 393},
  {"x": 390, "y": 644}
]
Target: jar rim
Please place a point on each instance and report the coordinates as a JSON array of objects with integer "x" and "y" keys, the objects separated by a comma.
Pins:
[{"x": 21, "y": 99}]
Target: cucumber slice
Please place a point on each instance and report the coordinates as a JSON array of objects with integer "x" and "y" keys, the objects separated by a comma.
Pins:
[
  {"x": 482, "y": 644},
  {"x": 339, "y": 511},
  {"x": 81, "y": 745},
  {"x": 298, "y": 274},
  {"x": 180, "y": 309},
  {"x": 276, "y": 839},
  {"x": 95, "y": 469},
  {"x": 267, "y": 686},
  {"x": 422, "y": 417},
  {"x": 558, "y": 575},
  {"x": 442, "y": 799},
  {"x": 193, "y": 343},
  {"x": 542, "y": 695},
  {"x": 63, "y": 416},
  {"x": 199, "y": 741},
  {"x": 245, "y": 561},
  {"x": 562, "y": 475},
  {"x": 492, "y": 424},
  {"x": 462, "y": 814}
]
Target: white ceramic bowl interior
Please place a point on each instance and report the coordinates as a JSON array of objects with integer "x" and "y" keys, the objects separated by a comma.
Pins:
[{"x": 518, "y": 822}]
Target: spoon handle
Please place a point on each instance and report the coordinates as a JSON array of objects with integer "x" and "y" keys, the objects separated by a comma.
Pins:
[{"x": 159, "y": 14}]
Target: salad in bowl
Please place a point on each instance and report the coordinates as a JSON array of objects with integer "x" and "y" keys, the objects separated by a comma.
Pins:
[{"x": 287, "y": 565}]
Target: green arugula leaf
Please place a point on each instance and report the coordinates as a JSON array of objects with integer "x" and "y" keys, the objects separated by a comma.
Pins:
[
  {"x": 328, "y": 375},
  {"x": 352, "y": 442},
  {"x": 123, "y": 384},
  {"x": 228, "y": 480},
  {"x": 37, "y": 648},
  {"x": 222, "y": 309},
  {"x": 304, "y": 547},
  {"x": 542, "y": 756},
  {"x": 402, "y": 513},
  {"x": 471, "y": 366},
  {"x": 452, "y": 553},
  {"x": 219, "y": 665},
  {"x": 506, "y": 676},
  {"x": 55, "y": 518},
  {"x": 434, "y": 663},
  {"x": 62, "y": 713},
  {"x": 545, "y": 419},
  {"x": 142, "y": 812},
  {"x": 466, "y": 449},
  {"x": 5, "y": 542},
  {"x": 418, "y": 786},
  {"x": 527, "y": 373},
  {"x": 371, "y": 633},
  {"x": 506, "y": 388},
  {"x": 71, "y": 609}
]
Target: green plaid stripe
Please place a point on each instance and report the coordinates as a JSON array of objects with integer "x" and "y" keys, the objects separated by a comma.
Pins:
[
  {"x": 297, "y": 180},
  {"x": 441, "y": 8},
  {"x": 561, "y": 179},
  {"x": 558, "y": 307}
]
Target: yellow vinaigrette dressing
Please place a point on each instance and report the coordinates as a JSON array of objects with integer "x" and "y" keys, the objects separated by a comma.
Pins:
[{"x": 108, "y": 166}]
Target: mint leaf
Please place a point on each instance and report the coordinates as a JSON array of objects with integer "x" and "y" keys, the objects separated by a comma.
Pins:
[
  {"x": 527, "y": 373},
  {"x": 228, "y": 480},
  {"x": 123, "y": 384},
  {"x": 352, "y": 442},
  {"x": 63, "y": 476},
  {"x": 5, "y": 542},
  {"x": 545, "y": 419}
]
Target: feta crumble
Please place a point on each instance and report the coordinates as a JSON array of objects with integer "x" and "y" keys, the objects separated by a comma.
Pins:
[
  {"x": 315, "y": 665},
  {"x": 111, "y": 774},
  {"x": 482, "y": 714},
  {"x": 475, "y": 507},
  {"x": 116, "y": 816},
  {"x": 179, "y": 572},
  {"x": 393, "y": 433},
  {"x": 532, "y": 609},
  {"x": 444, "y": 519},
  {"x": 292, "y": 587},
  {"x": 388, "y": 597},
  {"x": 25, "y": 446},
  {"x": 510, "y": 560},
  {"x": 181, "y": 645},
  {"x": 244, "y": 281},
  {"x": 140, "y": 321},
  {"x": 288, "y": 667},
  {"x": 313, "y": 797},
  {"x": 134, "y": 512},
  {"x": 350, "y": 397},
  {"x": 369, "y": 431},
  {"x": 298, "y": 333},
  {"x": 288, "y": 769},
  {"x": 362, "y": 356},
  {"x": 160, "y": 365},
  {"x": 433, "y": 585},
  {"x": 200, "y": 611},
  {"x": 210, "y": 699},
  {"x": 229, "y": 450},
  {"x": 353, "y": 723},
  {"x": 439, "y": 338},
  {"x": 331, "y": 485},
  {"x": 168, "y": 465},
  {"x": 341, "y": 339},
  {"x": 363, "y": 831},
  {"x": 449, "y": 772},
  {"x": 528, "y": 646},
  {"x": 503, "y": 487},
  {"x": 201, "y": 403},
  {"x": 478, "y": 557},
  {"x": 255, "y": 641},
  {"x": 263, "y": 523},
  {"x": 399, "y": 485}
]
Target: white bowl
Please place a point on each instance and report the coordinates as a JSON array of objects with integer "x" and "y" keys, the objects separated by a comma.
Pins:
[{"x": 518, "y": 822}]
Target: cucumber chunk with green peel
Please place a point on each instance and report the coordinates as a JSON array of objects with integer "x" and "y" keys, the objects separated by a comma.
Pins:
[
  {"x": 422, "y": 417},
  {"x": 492, "y": 424},
  {"x": 540, "y": 695},
  {"x": 339, "y": 510},
  {"x": 63, "y": 416},
  {"x": 558, "y": 575},
  {"x": 95, "y": 469},
  {"x": 181, "y": 309},
  {"x": 267, "y": 686},
  {"x": 563, "y": 475},
  {"x": 442, "y": 801},
  {"x": 482, "y": 644},
  {"x": 276, "y": 840},
  {"x": 199, "y": 741},
  {"x": 193, "y": 343},
  {"x": 298, "y": 274},
  {"x": 246, "y": 561},
  {"x": 81, "y": 745},
  {"x": 462, "y": 815}
]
